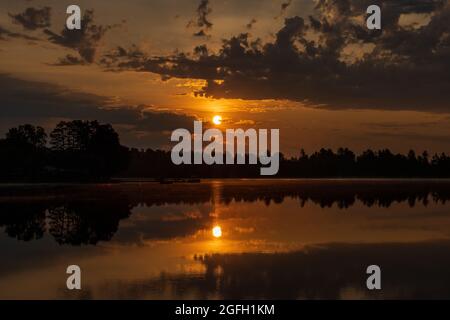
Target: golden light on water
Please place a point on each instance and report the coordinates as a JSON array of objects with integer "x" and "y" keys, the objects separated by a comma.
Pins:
[
  {"x": 217, "y": 232},
  {"x": 217, "y": 120}
]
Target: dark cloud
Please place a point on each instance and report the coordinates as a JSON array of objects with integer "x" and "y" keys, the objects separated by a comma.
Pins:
[
  {"x": 32, "y": 18},
  {"x": 402, "y": 67},
  {"x": 412, "y": 136},
  {"x": 250, "y": 25},
  {"x": 283, "y": 8},
  {"x": 201, "y": 50},
  {"x": 70, "y": 60},
  {"x": 286, "y": 5},
  {"x": 6, "y": 35},
  {"x": 395, "y": 125},
  {"x": 200, "y": 33},
  {"x": 85, "y": 41},
  {"x": 202, "y": 21},
  {"x": 21, "y": 99}
]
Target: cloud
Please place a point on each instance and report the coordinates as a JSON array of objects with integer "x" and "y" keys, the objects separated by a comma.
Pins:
[
  {"x": 70, "y": 60},
  {"x": 32, "y": 18},
  {"x": 395, "y": 125},
  {"x": 85, "y": 41},
  {"x": 399, "y": 68},
  {"x": 412, "y": 136},
  {"x": 6, "y": 35},
  {"x": 202, "y": 21},
  {"x": 36, "y": 101},
  {"x": 250, "y": 25},
  {"x": 285, "y": 6}
]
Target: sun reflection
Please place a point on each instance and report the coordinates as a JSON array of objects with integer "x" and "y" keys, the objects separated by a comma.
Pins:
[
  {"x": 217, "y": 232},
  {"x": 217, "y": 120}
]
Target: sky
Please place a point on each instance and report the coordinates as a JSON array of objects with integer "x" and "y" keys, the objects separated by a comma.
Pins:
[{"x": 309, "y": 68}]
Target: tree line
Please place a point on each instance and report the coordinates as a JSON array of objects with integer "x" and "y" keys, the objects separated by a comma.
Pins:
[
  {"x": 88, "y": 150},
  {"x": 324, "y": 163},
  {"x": 74, "y": 150}
]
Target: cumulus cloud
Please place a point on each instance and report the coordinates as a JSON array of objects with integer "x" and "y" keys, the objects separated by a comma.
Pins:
[
  {"x": 32, "y": 18},
  {"x": 401, "y": 67}
]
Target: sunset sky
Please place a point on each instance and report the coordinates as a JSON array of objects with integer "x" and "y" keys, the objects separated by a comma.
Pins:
[{"x": 310, "y": 68}]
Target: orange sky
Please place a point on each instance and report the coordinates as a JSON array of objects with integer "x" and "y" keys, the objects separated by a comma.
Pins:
[{"x": 159, "y": 28}]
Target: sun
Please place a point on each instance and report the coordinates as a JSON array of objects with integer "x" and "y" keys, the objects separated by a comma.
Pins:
[
  {"x": 217, "y": 120},
  {"x": 217, "y": 232}
]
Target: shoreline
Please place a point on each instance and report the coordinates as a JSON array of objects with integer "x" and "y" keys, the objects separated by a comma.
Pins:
[{"x": 118, "y": 181}]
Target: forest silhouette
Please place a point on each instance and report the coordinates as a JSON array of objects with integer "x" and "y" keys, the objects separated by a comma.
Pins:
[{"x": 90, "y": 151}]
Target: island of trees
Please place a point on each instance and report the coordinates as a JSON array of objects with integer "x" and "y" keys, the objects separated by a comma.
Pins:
[{"x": 90, "y": 151}]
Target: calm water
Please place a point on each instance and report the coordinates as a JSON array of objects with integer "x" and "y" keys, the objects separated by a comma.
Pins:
[{"x": 289, "y": 239}]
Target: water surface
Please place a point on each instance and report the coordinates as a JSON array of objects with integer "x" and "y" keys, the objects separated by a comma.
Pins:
[{"x": 281, "y": 239}]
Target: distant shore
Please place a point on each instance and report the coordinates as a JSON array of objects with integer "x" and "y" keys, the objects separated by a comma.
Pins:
[{"x": 198, "y": 180}]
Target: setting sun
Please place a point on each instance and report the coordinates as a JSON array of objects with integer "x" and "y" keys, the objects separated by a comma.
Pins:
[
  {"x": 217, "y": 120},
  {"x": 217, "y": 232}
]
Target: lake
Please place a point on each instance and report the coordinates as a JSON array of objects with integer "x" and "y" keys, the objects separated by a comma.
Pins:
[{"x": 226, "y": 239}]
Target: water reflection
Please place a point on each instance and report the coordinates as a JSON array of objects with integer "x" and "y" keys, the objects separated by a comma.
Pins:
[
  {"x": 70, "y": 221},
  {"x": 418, "y": 271},
  {"x": 83, "y": 215},
  {"x": 227, "y": 239}
]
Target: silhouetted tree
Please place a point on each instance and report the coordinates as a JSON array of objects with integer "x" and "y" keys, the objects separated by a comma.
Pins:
[
  {"x": 27, "y": 135},
  {"x": 23, "y": 152},
  {"x": 88, "y": 148}
]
